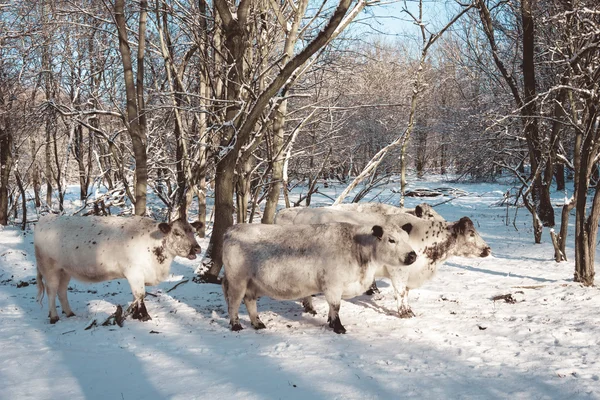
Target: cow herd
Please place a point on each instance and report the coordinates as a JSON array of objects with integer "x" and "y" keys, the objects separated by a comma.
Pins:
[{"x": 336, "y": 251}]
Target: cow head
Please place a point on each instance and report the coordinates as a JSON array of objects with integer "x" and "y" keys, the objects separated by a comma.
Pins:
[
  {"x": 392, "y": 246},
  {"x": 468, "y": 241},
  {"x": 425, "y": 211},
  {"x": 179, "y": 238}
]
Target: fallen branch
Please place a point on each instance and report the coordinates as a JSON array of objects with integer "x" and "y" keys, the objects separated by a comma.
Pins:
[
  {"x": 115, "y": 318},
  {"x": 506, "y": 297},
  {"x": 180, "y": 283}
]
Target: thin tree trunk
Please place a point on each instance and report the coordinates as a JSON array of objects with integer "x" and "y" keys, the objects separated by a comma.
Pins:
[
  {"x": 6, "y": 160},
  {"x": 279, "y": 125},
  {"x": 136, "y": 119},
  {"x": 23, "y": 200}
]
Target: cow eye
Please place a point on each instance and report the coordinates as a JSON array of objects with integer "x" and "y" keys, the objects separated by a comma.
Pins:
[
  {"x": 391, "y": 240},
  {"x": 472, "y": 234},
  {"x": 177, "y": 233}
]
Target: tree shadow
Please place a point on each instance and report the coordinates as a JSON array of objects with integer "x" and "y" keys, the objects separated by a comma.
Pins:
[
  {"x": 490, "y": 272},
  {"x": 194, "y": 354}
]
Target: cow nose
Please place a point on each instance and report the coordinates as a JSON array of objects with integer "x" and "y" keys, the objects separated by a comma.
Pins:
[
  {"x": 410, "y": 258},
  {"x": 486, "y": 252},
  {"x": 196, "y": 249}
]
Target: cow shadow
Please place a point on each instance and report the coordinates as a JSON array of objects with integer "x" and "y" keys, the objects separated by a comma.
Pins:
[{"x": 371, "y": 303}]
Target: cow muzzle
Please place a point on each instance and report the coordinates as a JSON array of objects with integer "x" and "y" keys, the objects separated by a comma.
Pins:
[
  {"x": 486, "y": 252},
  {"x": 193, "y": 251},
  {"x": 410, "y": 258}
]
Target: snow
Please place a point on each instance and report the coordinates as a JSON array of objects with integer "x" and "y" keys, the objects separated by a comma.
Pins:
[{"x": 461, "y": 344}]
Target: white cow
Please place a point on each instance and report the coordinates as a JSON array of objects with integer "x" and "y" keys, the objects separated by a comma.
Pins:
[
  {"x": 295, "y": 261},
  {"x": 434, "y": 241},
  {"x": 422, "y": 210},
  {"x": 97, "y": 249},
  {"x": 300, "y": 215}
]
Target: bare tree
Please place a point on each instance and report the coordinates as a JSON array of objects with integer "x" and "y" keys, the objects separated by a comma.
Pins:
[
  {"x": 243, "y": 128},
  {"x": 540, "y": 159},
  {"x": 135, "y": 110}
]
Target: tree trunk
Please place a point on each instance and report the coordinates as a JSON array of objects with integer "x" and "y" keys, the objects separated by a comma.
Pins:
[
  {"x": 243, "y": 187},
  {"x": 6, "y": 161},
  {"x": 78, "y": 152},
  {"x": 58, "y": 175},
  {"x": 224, "y": 185},
  {"x": 276, "y": 165},
  {"x": 23, "y": 200},
  {"x": 584, "y": 266},
  {"x": 421, "y": 139},
  {"x": 136, "y": 119},
  {"x": 541, "y": 191},
  {"x": 279, "y": 126},
  {"x": 559, "y": 175},
  {"x": 48, "y": 159}
]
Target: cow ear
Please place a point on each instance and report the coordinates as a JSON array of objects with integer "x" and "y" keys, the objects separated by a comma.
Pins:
[
  {"x": 419, "y": 211},
  {"x": 463, "y": 225},
  {"x": 164, "y": 227},
  {"x": 197, "y": 225},
  {"x": 407, "y": 228},
  {"x": 377, "y": 231}
]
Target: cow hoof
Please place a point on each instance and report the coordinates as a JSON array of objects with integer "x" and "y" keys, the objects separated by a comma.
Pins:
[
  {"x": 236, "y": 327},
  {"x": 372, "y": 290},
  {"x": 141, "y": 316},
  {"x": 336, "y": 324},
  {"x": 54, "y": 320},
  {"x": 308, "y": 307},
  {"x": 310, "y": 310},
  {"x": 339, "y": 329},
  {"x": 406, "y": 313},
  {"x": 71, "y": 314},
  {"x": 259, "y": 325}
]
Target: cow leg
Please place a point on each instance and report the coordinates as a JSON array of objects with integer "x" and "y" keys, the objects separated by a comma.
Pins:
[
  {"x": 308, "y": 305},
  {"x": 52, "y": 283},
  {"x": 334, "y": 301},
  {"x": 62, "y": 293},
  {"x": 373, "y": 289},
  {"x": 233, "y": 295},
  {"x": 137, "y": 309},
  {"x": 399, "y": 278},
  {"x": 253, "y": 313}
]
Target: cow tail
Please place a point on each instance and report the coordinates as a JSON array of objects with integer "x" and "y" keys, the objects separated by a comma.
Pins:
[{"x": 40, "y": 286}]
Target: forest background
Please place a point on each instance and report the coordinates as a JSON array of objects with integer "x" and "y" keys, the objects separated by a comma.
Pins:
[{"x": 242, "y": 101}]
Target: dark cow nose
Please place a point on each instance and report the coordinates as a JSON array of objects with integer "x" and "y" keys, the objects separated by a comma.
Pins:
[
  {"x": 486, "y": 252},
  {"x": 410, "y": 258}
]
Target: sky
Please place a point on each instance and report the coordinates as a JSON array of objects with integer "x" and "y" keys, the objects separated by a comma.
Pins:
[{"x": 389, "y": 20}]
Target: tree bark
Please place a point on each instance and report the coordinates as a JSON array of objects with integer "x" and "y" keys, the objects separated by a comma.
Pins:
[
  {"x": 6, "y": 159},
  {"x": 541, "y": 191},
  {"x": 136, "y": 120}
]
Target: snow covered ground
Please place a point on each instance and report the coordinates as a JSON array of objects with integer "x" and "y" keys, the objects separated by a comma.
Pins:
[{"x": 461, "y": 345}]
